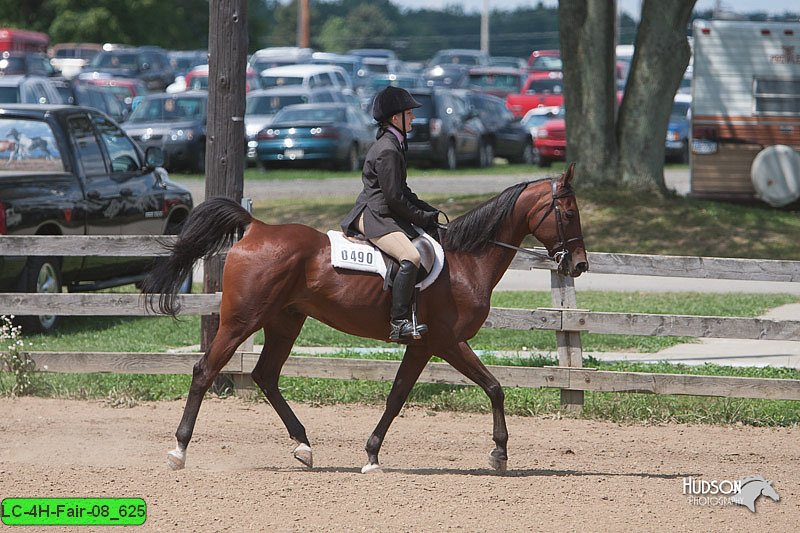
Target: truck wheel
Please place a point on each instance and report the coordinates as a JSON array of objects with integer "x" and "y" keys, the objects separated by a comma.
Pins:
[
  {"x": 527, "y": 156},
  {"x": 41, "y": 275},
  {"x": 352, "y": 163}
]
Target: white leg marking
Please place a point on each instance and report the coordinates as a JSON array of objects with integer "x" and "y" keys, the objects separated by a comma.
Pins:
[
  {"x": 371, "y": 467},
  {"x": 303, "y": 454},
  {"x": 176, "y": 459},
  {"x": 501, "y": 465}
]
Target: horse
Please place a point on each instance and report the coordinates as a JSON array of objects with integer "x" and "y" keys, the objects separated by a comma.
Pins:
[
  {"x": 275, "y": 276},
  {"x": 752, "y": 488},
  {"x": 24, "y": 146}
]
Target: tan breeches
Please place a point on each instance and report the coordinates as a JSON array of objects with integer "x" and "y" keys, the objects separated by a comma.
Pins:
[{"x": 396, "y": 244}]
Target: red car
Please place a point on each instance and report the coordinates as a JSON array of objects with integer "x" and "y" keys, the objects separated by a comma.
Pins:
[
  {"x": 550, "y": 143},
  {"x": 540, "y": 89},
  {"x": 124, "y": 89},
  {"x": 544, "y": 61}
]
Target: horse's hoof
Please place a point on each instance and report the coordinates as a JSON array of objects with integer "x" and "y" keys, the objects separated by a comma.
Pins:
[
  {"x": 500, "y": 465},
  {"x": 371, "y": 467},
  {"x": 303, "y": 454},
  {"x": 176, "y": 459}
]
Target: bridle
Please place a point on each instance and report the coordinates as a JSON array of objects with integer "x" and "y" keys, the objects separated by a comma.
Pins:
[{"x": 561, "y": 253}]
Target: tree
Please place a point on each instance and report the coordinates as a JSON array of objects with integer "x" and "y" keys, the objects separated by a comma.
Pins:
[{"x": 625, "y": 147}]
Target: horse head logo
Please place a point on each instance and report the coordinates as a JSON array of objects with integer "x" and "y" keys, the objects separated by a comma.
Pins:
[{"x": 752, "y": 488}]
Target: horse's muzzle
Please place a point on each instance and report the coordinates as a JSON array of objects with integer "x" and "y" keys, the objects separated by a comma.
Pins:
[{"x": 573, "y": 265}]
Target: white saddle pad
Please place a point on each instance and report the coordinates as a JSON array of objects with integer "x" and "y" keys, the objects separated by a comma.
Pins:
[{"x": 367, "y": 258}]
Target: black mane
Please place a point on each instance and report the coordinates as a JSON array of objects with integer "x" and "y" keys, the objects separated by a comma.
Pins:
[{"x": 475, "y": 229}]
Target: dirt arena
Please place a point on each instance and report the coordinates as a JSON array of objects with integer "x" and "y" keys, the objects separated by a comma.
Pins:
[{"x": 564, "y": 475}]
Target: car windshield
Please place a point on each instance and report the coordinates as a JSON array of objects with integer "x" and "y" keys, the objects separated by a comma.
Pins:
[
  {"x": 457, "y": 59},
  {"x": 269, "y": 105},
  {"x": 495, "y": 81},
  {"x": 168, "y": 110},
  {"x": 315, "y": 115},
  {"x": 547, "y": 63},
  {"x": 679, "y": 110},
  {"x": 9, "y": 95},
  {"x": 280, "y": 81},
  {"x": 129, "y": 61},
  {"x": 555, "y": 86}
]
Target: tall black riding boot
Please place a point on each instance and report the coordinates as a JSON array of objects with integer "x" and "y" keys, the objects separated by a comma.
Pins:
[{"x": 402, "y": 329}]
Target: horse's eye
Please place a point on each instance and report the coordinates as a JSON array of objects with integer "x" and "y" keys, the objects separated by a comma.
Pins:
[{"x": 569, "y": 214}]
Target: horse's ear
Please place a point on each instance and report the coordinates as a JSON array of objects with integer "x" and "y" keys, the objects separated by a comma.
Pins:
[{"x": 567, "y": 176}]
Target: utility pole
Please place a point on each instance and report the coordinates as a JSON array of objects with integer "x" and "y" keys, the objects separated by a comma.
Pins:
[
  {"x": 303, "y": 23},
  {"x": 485, "y": 27},
  {"x": 225, "y": 145}
]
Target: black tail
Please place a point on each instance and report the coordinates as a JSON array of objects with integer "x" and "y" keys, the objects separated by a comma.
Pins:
[{"x": 211, "y": 226}]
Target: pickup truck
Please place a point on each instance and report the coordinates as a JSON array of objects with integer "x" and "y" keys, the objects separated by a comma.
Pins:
[
  {"x": 71, "y": 170},
  {"x": 540, "y": 89}
]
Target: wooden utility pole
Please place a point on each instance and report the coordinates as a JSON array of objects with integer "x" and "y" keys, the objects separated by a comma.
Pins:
[
  {"x": 225, "y": 142},
  {"x": 303, "y": 23}
]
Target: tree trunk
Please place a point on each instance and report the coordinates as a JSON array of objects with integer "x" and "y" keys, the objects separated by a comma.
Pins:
[
  {"x": 225, "y": 145},
  {"x": 587, "y": 50},
  {"x": 661, "y": 54}
]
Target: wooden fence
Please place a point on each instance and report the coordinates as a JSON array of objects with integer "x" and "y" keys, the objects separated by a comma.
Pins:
[{"x": 563, "y": 318}]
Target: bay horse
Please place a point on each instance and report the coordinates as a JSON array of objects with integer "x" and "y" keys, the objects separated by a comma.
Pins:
[{"x": 276, "y": 276}]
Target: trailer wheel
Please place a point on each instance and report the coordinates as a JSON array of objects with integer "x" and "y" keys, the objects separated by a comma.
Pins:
[{"x": 42, "y": 275}]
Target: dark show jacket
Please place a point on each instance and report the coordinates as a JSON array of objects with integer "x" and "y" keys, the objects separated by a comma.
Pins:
[{"x": 386, "y": 200}]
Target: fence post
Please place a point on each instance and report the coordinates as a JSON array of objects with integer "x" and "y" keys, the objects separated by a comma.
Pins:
[{"x": 570, "y": 352}]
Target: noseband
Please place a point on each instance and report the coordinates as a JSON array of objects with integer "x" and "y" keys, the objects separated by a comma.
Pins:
[{"x": 560, "y": 250}]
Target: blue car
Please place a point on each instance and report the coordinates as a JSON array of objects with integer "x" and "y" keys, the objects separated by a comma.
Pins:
[
  {"x": 677, "y": 142},
  {"x": 336, "y": 135}
]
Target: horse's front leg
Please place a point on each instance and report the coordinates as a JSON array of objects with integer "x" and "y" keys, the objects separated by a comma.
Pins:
[
  {"x": 414, "y": 360},
  {"x": 463, "y": 359}
]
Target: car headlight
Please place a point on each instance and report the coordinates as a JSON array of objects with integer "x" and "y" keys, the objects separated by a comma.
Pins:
[
  {"x": 180, "y": 134},
  {"x": 673, "y": 135}
]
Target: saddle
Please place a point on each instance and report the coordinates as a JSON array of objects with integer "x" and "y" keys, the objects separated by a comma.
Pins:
[{"x": 354, "y": 253}]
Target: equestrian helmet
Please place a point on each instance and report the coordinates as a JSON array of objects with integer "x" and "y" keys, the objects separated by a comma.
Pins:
[{"x": 390, "y": 101}]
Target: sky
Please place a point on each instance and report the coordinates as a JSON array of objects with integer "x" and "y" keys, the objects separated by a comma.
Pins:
[{"x": 630, "y": 6}]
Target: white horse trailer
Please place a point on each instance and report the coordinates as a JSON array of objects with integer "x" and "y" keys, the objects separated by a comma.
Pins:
[{"x": 746, "y": 111}]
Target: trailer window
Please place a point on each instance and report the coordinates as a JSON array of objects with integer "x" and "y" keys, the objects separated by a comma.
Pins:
[
  {"x": 776, "y": 97},
  {"x": 29, "y": 145}
]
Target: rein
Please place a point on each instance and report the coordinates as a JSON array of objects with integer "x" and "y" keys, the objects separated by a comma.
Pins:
[{"x": 561, "y": 251}]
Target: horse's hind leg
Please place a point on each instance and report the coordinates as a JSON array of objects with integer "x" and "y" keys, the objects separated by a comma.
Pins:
[
  {"x": 279, "y": 337},
  {"x": 230, "y": 335},
  {"x": 463, "y": 359},
  {"x": 414, "y": 360}
]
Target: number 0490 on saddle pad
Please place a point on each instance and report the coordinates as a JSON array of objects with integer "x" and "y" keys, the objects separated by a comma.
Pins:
[{"x": 365, "y": 257}]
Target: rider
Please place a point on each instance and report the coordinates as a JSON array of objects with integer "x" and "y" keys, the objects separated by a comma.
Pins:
[{"x": 386, "y": 208}]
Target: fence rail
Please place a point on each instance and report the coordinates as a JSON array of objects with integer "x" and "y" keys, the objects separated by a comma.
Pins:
[{"x": 564, "y": 319}]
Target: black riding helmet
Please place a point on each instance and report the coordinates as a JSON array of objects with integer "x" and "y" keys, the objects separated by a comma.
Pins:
[{"x": 390, "y": 101}]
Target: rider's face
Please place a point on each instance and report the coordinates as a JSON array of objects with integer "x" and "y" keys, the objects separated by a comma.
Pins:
[{"x": 397, "y": 119}]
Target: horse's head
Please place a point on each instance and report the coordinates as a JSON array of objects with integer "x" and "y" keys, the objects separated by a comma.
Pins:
[
  {"x": 558, "y": 227},
  {"x": 12, "y": 134}
]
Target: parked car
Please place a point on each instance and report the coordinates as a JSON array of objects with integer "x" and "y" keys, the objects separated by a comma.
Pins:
[
  {"x": 445, "y": 131},
  {"x": 551, "y": 140},
  {"x": 537, "y": 116},
  {"x": 382, "y": 53},
  {"x": 70, "y": 170},
  {"x": 124, "y": 89},
  {"x": 278, "y": 56},
  {"x": 545, "y": 61},
  {"x": 151, "y": 65},
  {"x": 452, "y": 76},
  {"x": 541, "y": 89},
  {"x": 676, "y": 146},
  {"x": 334, "y": 134},
  {"x": 91, "y": 96},
  {"x": 506, "y": 136},
  {"x": 176, "y": 123},
  {"x": 69, "y": 58},
  {"x": 262, "y": 105},
  {"x": 498, "y": 81},
  {"x": 197, "y": 79},
  {"x": 310, "y": 76},
  {"x": 507, "y": 61},
  {"x": 28, "y": 90},
  {"x": 377, "y": 82},
  {"x": 353, "y": 65},
  {"x": 182, "y": 61},
  {"x": 460, "y": 56},
  {"x": 25, "y": 64}
]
